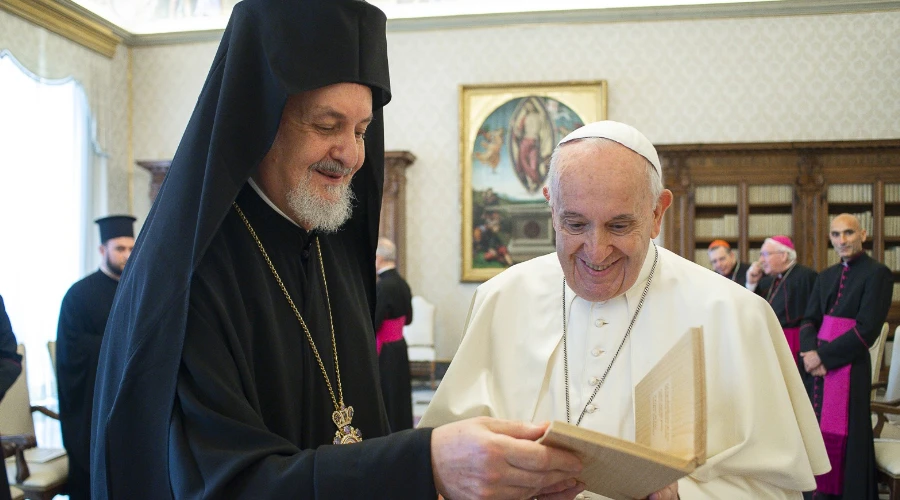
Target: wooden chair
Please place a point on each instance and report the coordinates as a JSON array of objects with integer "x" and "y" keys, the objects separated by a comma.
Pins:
[
  {"x": 419, "y": 336},
  {"x": 40, "y": 473},
  {"x": 51, "y": 348},
  {"x": 877, "y": 353},
  {"x": 887, "y": 451}
]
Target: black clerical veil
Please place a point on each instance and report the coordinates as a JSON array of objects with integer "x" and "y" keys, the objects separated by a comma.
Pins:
[{"x": 270, "y": 49}]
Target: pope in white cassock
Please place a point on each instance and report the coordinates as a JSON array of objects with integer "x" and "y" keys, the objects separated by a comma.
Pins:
[{"x": 590, "y": 321}]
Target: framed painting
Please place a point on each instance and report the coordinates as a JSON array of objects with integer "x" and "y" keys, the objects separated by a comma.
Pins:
[{"x": 507, "y": 134}]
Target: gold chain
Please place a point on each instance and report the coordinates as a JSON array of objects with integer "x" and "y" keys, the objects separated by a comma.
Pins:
[{"x": 338, "y": 403}]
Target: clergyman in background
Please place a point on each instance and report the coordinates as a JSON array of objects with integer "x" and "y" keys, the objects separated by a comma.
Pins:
[
  {"x": 846, "y": 310},
  {"x": 82, "y": 322},
  {"x": 786, "y": 285},
  {"x": 393, "y": 310},
  {"x": 725, "y": 262}
]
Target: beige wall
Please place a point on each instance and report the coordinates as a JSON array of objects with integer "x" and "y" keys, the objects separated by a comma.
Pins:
[
  {"x": 105, "y": 82},
  {"x": 831, "y": 77}
]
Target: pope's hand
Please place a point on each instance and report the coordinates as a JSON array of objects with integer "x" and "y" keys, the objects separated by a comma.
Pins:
[
  {"x": 486, "y": 458},
  {"x": 670, "y": 492}
]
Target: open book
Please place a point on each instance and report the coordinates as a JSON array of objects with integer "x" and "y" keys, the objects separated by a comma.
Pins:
[{"x": 670, "y": 430}]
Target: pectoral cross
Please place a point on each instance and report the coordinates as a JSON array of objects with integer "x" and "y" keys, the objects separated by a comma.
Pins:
[{"x": 346, "y": 434}]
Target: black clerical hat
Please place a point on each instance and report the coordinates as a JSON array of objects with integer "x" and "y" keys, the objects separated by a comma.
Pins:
[{"x": 115, "y": 226}]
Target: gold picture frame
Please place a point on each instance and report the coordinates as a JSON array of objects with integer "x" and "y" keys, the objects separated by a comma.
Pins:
[{"x": 507, "y": 133}]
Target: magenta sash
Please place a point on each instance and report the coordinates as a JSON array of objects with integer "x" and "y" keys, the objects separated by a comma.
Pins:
[
  {"x": 391, "y": 331},
  {"x": 835, "y": 409},
  {"x": 793, "y": 339}
]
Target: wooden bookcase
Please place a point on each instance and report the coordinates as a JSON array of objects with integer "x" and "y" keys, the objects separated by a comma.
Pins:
[{"x": 743, "y": 193}]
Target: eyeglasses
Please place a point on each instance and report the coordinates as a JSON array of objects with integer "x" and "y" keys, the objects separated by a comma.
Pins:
[{"x": 768, "y": 254}]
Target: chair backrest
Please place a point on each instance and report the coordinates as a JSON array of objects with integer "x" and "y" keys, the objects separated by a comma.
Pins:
[
  {"x": 51, "y": 347},
  {"x": 15, "y": 408},
  {"x": 892, "y": 391},
  {"x": 421, "y": 331},
  {"x": 877, "y": 352}
]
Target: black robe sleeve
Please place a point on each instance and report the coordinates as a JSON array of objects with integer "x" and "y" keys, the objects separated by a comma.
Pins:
[
  {"x": 10, "y": 361},
  {"x": 873, "y": 309},
  {"x": 221, "y": 442},
  {"x": 812, "y": 318}
]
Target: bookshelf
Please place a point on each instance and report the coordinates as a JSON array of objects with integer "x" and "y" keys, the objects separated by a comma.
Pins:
[{"x": 743, "y": 193}]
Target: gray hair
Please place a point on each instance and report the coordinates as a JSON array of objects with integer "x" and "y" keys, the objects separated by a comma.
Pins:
[
  {"x": 655, "y": 186},
  {"x": 386, "y": 249},
  {"x": 791, "y": 253}
]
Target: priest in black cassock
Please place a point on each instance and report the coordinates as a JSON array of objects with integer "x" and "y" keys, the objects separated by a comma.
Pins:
[
  {"x": 848, "y": 305},
  {"x": 240, "y": 355},
  {"x": 393, "y": 310},
  {"x": 786, "y": 285},
  {"x": 82, "y": 321}
]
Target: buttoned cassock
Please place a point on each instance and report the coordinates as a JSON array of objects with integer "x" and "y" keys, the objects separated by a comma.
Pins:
[{"x": 762, "y": 437}]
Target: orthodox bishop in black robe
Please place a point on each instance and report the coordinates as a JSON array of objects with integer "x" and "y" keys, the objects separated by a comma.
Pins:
[
  {"x": 82, "y": 321},
  {"x": 208, "y": 386},
  {"x": 855, "y": 291},
  {"x": 394, "y": 302}
]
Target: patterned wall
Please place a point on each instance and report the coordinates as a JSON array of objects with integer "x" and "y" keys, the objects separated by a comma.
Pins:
[
  {"x": 829, "y": 77},
  {"x": 105, "y": 82}
]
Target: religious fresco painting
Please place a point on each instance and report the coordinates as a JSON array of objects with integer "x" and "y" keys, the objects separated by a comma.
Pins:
[{"x": 507, "y": 135}]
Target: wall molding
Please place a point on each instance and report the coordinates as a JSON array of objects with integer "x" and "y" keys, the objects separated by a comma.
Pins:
[
  {"x": 78, "y": 24},
  {"x": 67, "y": 20}
]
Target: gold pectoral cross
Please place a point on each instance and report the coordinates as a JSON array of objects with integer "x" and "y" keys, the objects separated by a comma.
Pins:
[{"x": 345, "y": 433}]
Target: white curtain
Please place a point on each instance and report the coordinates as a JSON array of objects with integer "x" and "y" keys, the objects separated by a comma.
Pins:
[{"x": 47, "y": 158}]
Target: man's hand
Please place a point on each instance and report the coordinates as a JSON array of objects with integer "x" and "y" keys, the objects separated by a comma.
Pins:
[
  {"x": 754, "y": 273},
  {"x": 486, "y": 458},
  {"x": 819, "y": 371},
  {"x": 811, "y": 362},
  {"x": 670, "y": 492}
]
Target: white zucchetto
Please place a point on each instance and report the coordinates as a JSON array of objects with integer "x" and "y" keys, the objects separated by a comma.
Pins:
[{"x": 625, "y": 135}]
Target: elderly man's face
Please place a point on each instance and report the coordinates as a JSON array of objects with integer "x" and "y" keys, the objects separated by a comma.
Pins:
[
  {"x": 722, "y": 260},
  {"x": 604, "y": 217},
  {"x": 774, "y": 260},
  {"x": 317, "y": 150},
  {"x": 847, "y": 236}
]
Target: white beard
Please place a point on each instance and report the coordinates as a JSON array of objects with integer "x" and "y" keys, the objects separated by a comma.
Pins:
[{"x": 321, "y": 213}]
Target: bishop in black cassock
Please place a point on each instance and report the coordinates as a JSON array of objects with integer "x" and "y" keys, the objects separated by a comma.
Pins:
[
  {"x": 208, "y": 385},
  {"x": 859, "y": 290},
  {"x": 786, "y": 286},
  {"x": 393, "y": 310}
]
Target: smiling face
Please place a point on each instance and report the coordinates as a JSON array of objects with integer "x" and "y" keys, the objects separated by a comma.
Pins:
[
  {"x": 722, "y": 260},
  {"x": 847, "y": 236},
  {"x": 604, "y": 217},
  {"x": 773, "y": 258},
  {"x": 318, "y": 148}
]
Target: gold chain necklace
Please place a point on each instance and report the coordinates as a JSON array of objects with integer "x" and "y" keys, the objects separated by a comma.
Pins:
[{"x": 342, "y": 415}]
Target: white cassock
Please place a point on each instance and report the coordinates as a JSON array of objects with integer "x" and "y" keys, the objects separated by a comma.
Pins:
[{"x": 763, "y": 440}]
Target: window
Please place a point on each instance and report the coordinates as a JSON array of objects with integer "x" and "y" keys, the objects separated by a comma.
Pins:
[{"x": 46, "y": 155}]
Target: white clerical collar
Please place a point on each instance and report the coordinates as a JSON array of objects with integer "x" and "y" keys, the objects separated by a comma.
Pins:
[{"x": 269, "y": 202}]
